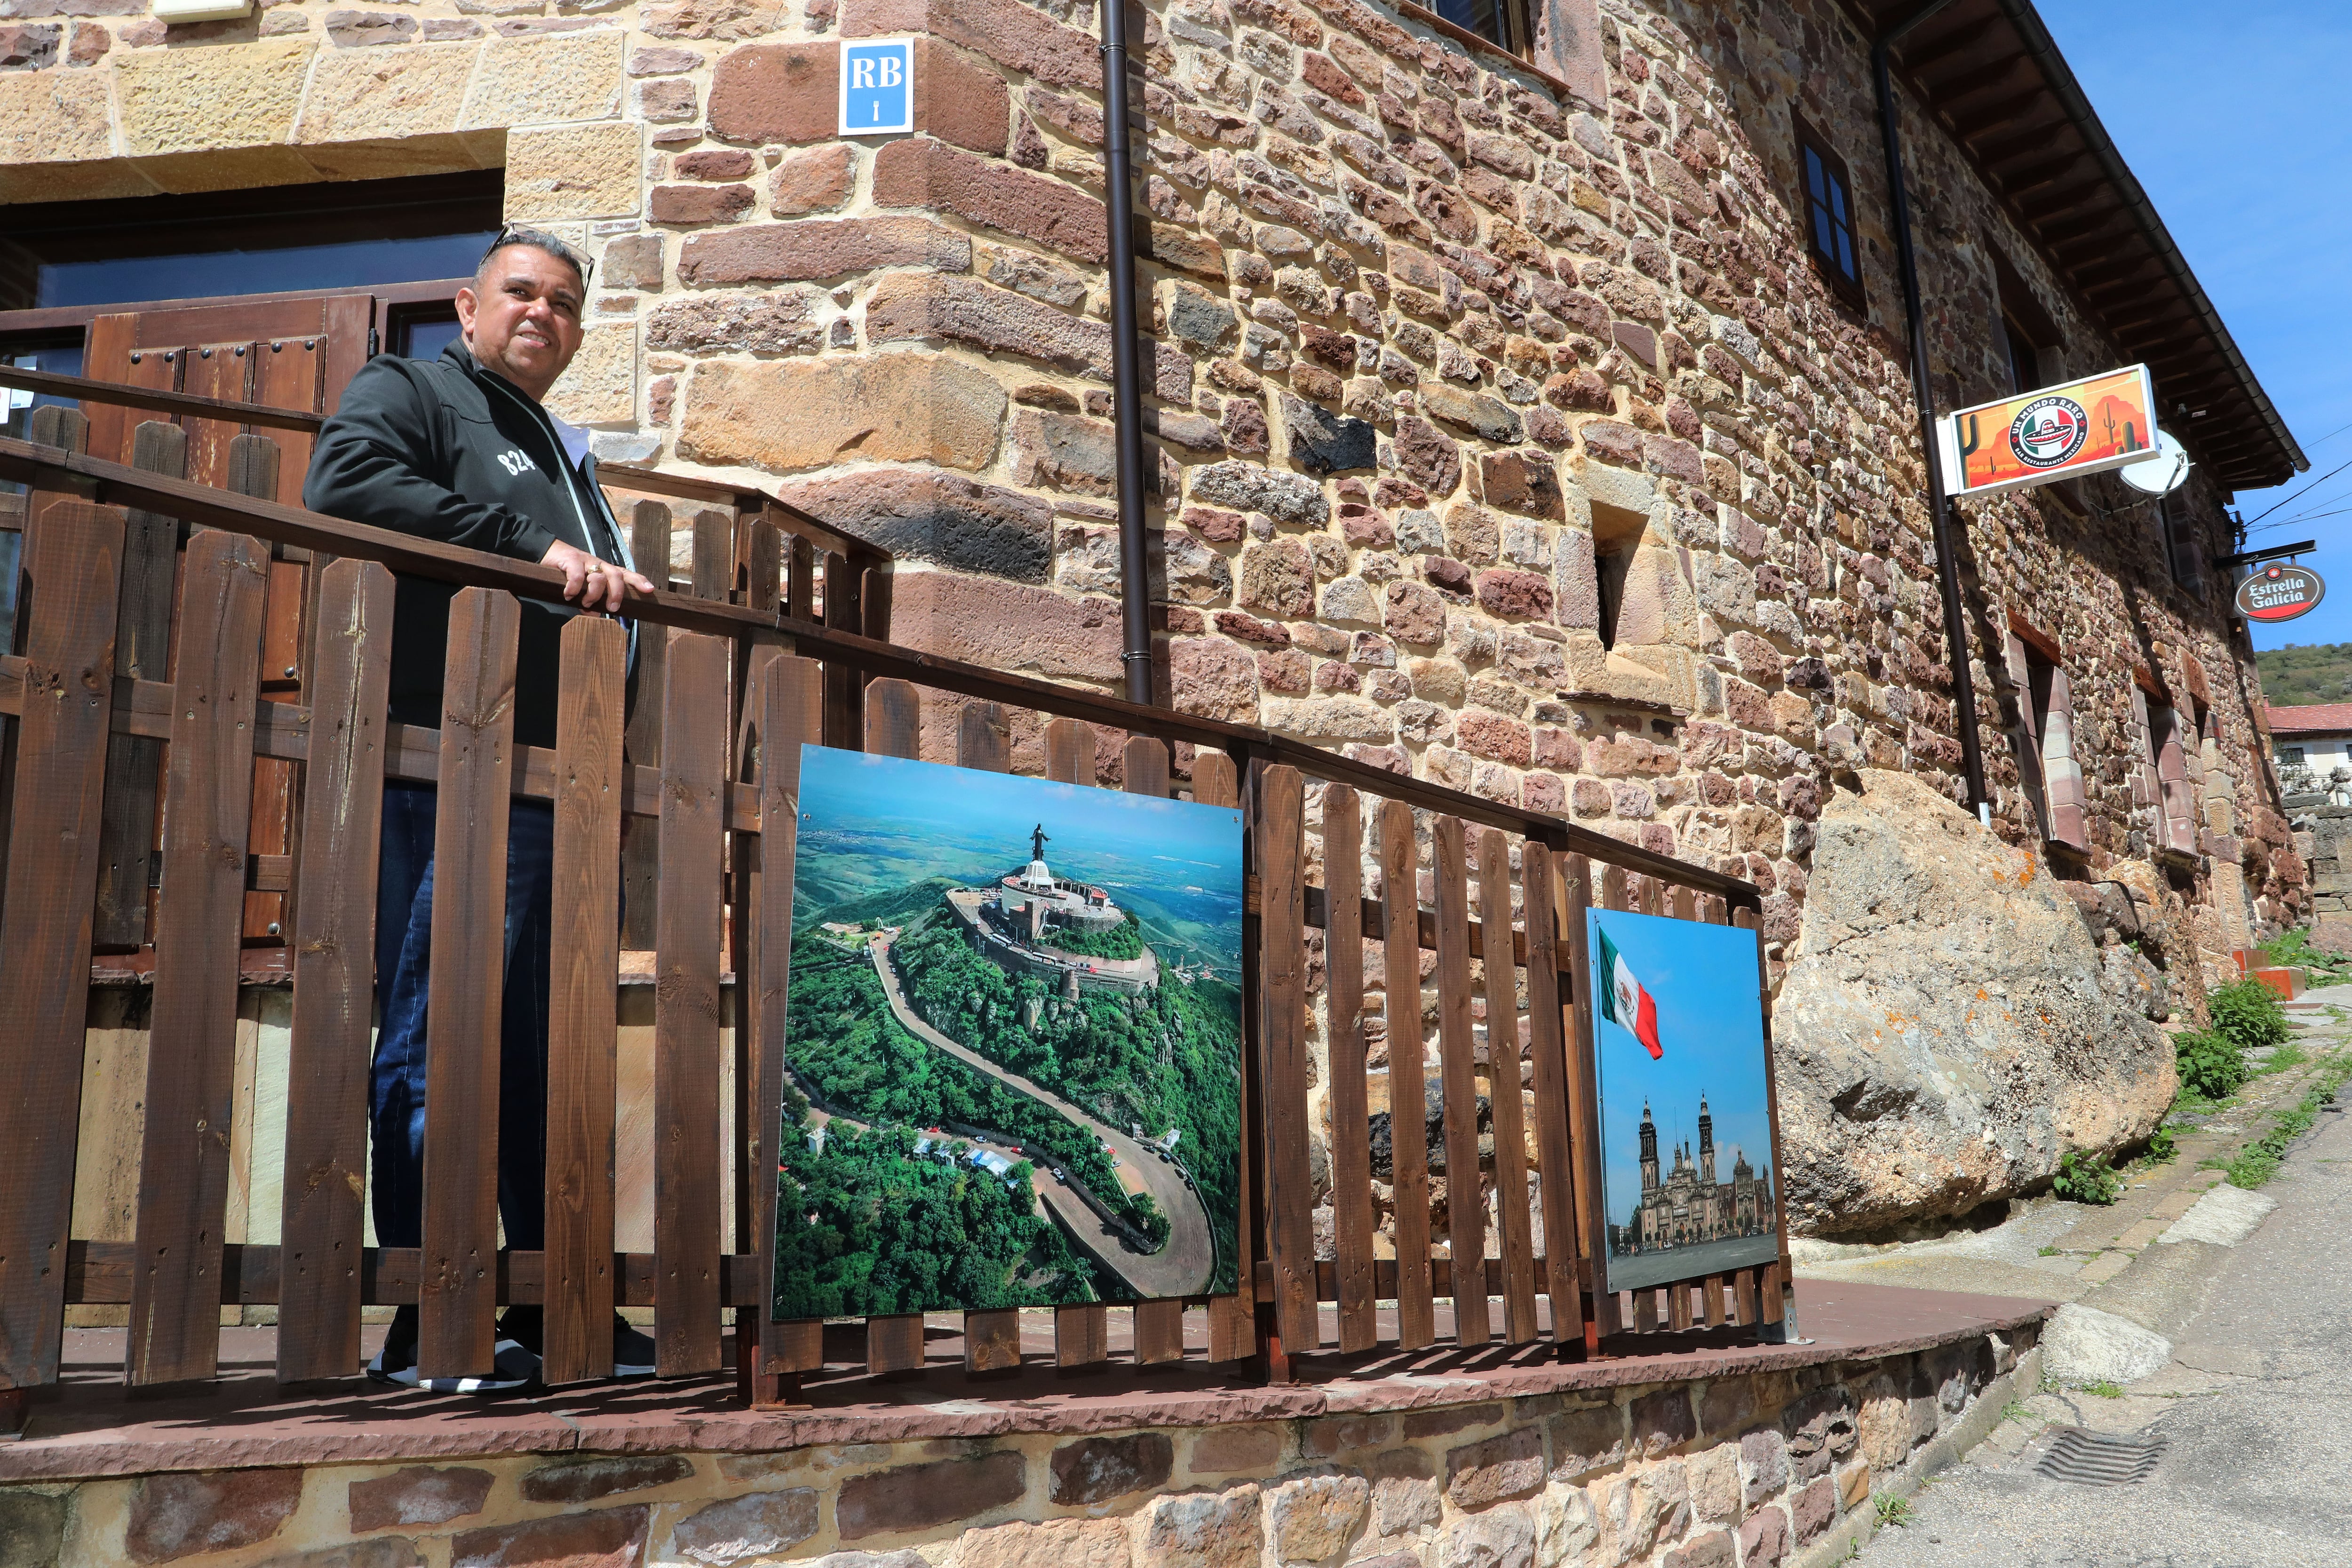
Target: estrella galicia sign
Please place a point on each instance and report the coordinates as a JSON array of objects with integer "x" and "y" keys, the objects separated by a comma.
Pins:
[
  {"x": 2047, "y": 431},
  {"x": 2280, "y": 591}
]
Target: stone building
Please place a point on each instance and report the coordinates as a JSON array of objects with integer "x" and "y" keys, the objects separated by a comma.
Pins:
[{"x": 1530, "y": 412}]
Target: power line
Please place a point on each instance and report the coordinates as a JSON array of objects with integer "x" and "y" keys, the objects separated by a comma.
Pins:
[
  {"x": 2306, "y": 517},
  {"x": 2284, "y": 500}
]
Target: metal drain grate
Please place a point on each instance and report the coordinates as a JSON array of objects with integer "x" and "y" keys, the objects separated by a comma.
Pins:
[{"x": 2091, "y": 1459}]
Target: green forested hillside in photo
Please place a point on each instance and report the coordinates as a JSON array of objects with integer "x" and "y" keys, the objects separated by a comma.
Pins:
[
  {"x": 2305, "y": 673},
  {"x": 890, "y": 907},
  {"x": 1164, "y": 1060},
  {"x": 869, "y": 1226},
  {"x": 861, "y": 1227}
]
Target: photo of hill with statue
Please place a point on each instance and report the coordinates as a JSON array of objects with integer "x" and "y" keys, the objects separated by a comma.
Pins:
[
  {"x": 1012, "y": 1054},
  {"x": 1687, "y": 1167}
]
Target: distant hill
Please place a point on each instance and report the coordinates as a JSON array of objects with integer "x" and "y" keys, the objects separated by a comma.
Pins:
[
  {"x": 2311, "y": 672},
  {"x": 892, "y": 904}
]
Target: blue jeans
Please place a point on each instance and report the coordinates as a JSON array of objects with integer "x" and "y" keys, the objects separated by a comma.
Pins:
[{"x": 404, "y": 938}]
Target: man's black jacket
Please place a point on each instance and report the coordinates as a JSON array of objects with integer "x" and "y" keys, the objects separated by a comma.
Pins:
[{"x": 445, "y": 449}]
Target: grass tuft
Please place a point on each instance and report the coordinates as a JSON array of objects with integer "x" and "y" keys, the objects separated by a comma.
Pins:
[
  {"x": 1892, "y": 1511},
  {"x": 2087, "y": 1178},
  {"x": 2258, "y": 1161}
]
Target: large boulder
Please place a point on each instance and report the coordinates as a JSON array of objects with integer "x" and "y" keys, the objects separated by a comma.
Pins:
[{"x": 1947, "y": 1031}]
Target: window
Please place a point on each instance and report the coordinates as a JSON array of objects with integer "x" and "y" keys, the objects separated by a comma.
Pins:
[
  {"x": 2024, "y": 360},
  {"x": 2025, "y": 337},
  {"x": 273, "y": 239},
  {"x": 2173, "y": 792},
  {"x": 2183, "y": 549},
  {"x": 1499, "y": 22},
  {"x": 1617, "y": 537},
  {"x": 2045, "y": 735},
  {"x": 1829, "y": 212},
  {"x": 2291, "y": 755}
]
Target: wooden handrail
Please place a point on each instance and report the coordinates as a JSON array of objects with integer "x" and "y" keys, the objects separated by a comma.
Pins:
[
  {"x": 185, "y": 403},
  {"x": 112, "y": 483},
  {"x": 626, "y": 476}
]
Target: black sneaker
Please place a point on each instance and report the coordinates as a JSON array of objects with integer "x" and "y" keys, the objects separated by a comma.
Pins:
[
  {"x": 395, "y": 1364},
  {"x": 514, "y": 1365},
  {"x": 632, "y": 1350}
]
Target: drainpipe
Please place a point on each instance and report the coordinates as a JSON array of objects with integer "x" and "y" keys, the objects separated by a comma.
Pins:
[
  {"x": 1126, "y": 373},
  {"x": 1939, "y": 505}
]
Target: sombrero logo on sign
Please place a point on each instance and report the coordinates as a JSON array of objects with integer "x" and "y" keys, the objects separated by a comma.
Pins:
[
  {"x": 2280, "y": 592},
  {"x": 2048, "y": 431}
]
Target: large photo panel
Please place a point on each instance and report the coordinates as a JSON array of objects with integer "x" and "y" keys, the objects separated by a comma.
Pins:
[
  {"x": 1686, "y": 1169},
  {"x": 1014, "y": 1043}
]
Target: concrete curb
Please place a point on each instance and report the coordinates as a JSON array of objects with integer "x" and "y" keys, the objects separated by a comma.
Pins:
[{"x": 1947, "y": 1449}]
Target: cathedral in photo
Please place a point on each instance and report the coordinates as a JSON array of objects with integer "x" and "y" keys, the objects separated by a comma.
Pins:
[{"x": 1686, "y": 1206}]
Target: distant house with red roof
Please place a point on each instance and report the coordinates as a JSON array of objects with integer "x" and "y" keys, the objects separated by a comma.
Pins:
[{"x": 2315, "y": 735}]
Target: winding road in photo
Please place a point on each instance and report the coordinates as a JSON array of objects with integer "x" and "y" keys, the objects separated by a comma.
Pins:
[{"x": 1181, "y": 1266}]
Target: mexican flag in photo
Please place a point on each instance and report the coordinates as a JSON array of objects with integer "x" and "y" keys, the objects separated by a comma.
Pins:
[{"x": 1624, "y": 1003}]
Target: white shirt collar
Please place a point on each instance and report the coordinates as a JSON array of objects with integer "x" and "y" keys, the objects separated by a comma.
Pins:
[{"x": 575, "y": 440}]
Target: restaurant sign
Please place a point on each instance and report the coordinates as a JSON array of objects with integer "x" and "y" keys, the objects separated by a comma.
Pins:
[
  {"x": 2280, "y": 591},
  {"x": 2083, "y": 426}
]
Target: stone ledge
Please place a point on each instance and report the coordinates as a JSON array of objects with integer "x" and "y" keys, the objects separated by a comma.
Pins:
[{"x": 93, "y": 1430}]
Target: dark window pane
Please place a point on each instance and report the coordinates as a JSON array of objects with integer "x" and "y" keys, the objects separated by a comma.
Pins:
[
  {"x": 1816, "y": 177},
  {"x": 1845, "y": 254},
  {"x": 57, "y": 359},
  {"x": 426, "y": 340},
  {"x": 206, "y": 274},
  {"x": 1837, "y": 201},
  {"x": 1484, "y": 18},
  {"x": 1822, "y": 242}
]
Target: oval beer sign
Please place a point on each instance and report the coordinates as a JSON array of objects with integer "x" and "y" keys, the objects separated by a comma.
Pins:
[{"x": 2279, "y": 592}]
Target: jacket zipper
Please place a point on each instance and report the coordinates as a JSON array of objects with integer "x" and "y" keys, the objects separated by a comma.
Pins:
[{"x": 572, "y": 480}]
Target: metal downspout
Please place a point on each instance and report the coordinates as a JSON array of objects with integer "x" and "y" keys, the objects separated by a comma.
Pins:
[
  {"x": 1127, "y": 377},
  {"x": 1939, "y": 505}
]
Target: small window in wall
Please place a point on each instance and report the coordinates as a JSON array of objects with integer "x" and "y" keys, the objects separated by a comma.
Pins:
[
  {"x": 1829, "y": 212},
  {"x": 2183, "y": 550},
  {"x": 2291, "y": 755},
  {"x": 2045, "y": 743},
  {"x": 2176, "y": 795},
  {"x": 1499, "y": 22},
  {"x": 2024, "y": 359},
  {"x": 2025, "y": 336},
  {"x": 1616, "y": 539}
]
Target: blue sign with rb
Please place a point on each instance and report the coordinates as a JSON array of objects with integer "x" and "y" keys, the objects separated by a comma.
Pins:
[{"x": 877, "y": 87}]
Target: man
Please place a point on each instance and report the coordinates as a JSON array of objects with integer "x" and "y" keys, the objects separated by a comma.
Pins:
[{"x": 460, "y": 449}]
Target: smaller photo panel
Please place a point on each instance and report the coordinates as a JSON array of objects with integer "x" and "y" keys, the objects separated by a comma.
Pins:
[{"x": 1688, "y": 1179}]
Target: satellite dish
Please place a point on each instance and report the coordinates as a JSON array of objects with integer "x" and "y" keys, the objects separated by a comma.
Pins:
[{"x": 2161, "y": 472}]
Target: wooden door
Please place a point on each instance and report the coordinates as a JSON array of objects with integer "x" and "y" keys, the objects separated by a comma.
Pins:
[{"x": 296, "y": 354}]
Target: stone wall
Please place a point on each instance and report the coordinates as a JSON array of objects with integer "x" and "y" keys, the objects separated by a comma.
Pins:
[
  {"x": 1756, "y": 1470},
  {"x": 1454, "y": 368}
]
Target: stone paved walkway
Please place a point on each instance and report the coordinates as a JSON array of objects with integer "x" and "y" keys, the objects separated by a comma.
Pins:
[{"x": 2259, "y": 1465}]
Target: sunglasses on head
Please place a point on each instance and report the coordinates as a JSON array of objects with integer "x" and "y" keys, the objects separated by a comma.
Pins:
[{"x": 539, "y": 239}]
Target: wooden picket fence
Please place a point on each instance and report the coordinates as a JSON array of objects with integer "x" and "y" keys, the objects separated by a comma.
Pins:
[{"x": 743, "y": 681}]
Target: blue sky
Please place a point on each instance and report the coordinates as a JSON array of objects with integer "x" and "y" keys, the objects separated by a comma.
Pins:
[
  {"x": 1710, "y": 1025},
  {"x": 839, "y": 788},
  {"x": 2234, "y": 119}
]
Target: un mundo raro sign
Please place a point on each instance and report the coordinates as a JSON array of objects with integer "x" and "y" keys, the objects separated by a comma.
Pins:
[{"x": 2083, "y": 426}]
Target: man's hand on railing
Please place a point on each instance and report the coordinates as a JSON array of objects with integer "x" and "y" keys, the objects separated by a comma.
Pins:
[{"x": 596, "y": 583}]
